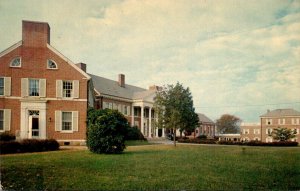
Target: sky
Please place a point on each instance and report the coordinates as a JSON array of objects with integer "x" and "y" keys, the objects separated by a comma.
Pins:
[{"x": 237, "y": 57}]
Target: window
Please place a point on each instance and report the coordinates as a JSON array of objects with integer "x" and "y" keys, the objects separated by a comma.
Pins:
[
  {"x": 136, "y": 112},
  {"x": 269, "y": 139},
  {"x": 66, "y": 121},
  {"x": 16, "y": 62},
  {"x": 245, "y": 131},
  {"x": 269, "y": 131},
  {"x": 34, "y": 87},
  {"x": 256, "y": 131},
  {"x": 256, "y": 139},
  {"x": 110, "y": 106},
  {"x": 268, "y": 121},
  {"x": 281, "y": 121},
  {"x": 1, "y": 120},
  {"x": 1, "y": 86},
  {"x": 67, "y": 88},
  {"x": 51, "y": 64}
]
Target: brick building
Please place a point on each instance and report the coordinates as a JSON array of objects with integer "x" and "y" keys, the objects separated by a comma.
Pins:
[
  {"x": 250, "y": 132},
  {"x": 288, "y": 118},
  {"x": 206, "y": 126},
  {"x": 37, "y": 98},
  {"x": 134, "y": 102}
]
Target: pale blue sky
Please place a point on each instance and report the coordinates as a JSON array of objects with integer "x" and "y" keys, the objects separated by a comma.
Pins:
[{"x": 237, "y": 57}]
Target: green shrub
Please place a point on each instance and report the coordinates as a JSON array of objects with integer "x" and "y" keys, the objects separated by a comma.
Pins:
[
  {"x": 202, "y": 137},
  {"x": 106, "y": 131},
  {"x": 28, "y": 145},
  {"x": 6, "y": 136},
  {"x": 133, "y": 133},
  {"x": 259, "y": 143}
]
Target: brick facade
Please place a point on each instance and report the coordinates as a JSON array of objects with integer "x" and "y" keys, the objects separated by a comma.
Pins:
[{"x": 34, "y": 52}]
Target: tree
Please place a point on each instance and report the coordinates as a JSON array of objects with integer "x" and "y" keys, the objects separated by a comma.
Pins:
[
  {"x": 283, "y": 134},
  {"x": 228, "y": 124},
  {"x": 106, "y": 131},
  {"x": 175, "y": 110}
]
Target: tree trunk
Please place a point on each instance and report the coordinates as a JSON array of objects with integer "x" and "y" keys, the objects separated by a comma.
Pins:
[{"x": 174, "y": 134}]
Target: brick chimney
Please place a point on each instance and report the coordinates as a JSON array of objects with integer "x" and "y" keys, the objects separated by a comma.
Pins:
[
  {"x": 35, "y": 34},
  {"x": 82, "y": 66},
  {"x": 121, "y": 81}
]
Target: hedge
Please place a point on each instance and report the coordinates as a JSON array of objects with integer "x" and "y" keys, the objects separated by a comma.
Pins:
[
  {"x": 28, "y": 145},
  {"x": 259, "y": 143},
  {"x": 197, "y": 141},
  {"x": 7, "y": 137}
]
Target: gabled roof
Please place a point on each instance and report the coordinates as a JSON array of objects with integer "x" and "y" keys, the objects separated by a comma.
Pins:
[
  {"x": 204, "y": 119},
  {"x": 112, "y": 88},
  {"x": 281, "y": 113}
]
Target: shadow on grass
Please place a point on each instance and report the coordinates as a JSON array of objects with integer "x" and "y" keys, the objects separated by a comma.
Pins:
[{"x": 25, "y": 178}]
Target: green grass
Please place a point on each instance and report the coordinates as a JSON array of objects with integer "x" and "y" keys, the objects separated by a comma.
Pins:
[
  {"x": 156, "y": 167},
  {"x": 137, "y": 143}
]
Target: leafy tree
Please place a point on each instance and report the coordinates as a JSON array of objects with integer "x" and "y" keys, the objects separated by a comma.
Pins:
[
  {"x": 283, "y": 134},
  {"x": 174, "y": 106},
  {"x": 106, "y": 131},
  {"x": 228, "y": 124}
]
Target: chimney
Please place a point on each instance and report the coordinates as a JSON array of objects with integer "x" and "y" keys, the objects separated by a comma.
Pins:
[
  {"x": 35, "y": 34},
  {"x": 121, "y": 81},
  {"x": 82, "y": 66}
]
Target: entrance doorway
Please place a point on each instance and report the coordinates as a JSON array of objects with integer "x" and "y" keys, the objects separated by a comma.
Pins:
[{"x": 34, "y": 130}]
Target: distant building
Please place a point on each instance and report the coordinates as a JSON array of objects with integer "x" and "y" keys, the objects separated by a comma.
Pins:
[
  {"x": 229, "y": 137},
  {"x": 134, "y": 102},
  {"x": 250, "y": 132},
  {"x": 288, "y": 118},
  {"x": 206, "y": 126}
]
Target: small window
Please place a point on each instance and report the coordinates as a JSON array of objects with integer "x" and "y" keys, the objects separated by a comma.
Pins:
[
  {"x": 16, "y": 62},
  {"x": 51, "y": 64},
  {"x": 66, "y": 121},
  {"x": 1, "y": 86},
  {"x": 67, "y": 88},
  {"x": 1, "y": 120},
  {"x": 34, "y": 89}
]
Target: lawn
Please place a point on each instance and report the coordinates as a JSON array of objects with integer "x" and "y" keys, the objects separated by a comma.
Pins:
[{"x": 156, "y": 167}]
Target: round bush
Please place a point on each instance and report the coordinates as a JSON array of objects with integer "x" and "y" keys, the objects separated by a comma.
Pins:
[{"x": 106, "y": 131}]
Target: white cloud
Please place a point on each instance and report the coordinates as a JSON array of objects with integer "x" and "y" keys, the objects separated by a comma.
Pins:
[{"x": 230, "y": 53}]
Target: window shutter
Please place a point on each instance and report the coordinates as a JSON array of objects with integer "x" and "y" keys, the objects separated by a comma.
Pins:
[
  {"x": 7, "y": 119},
  {"x": 24, "y": 87},
  {"x": 128, "y": 110},
  {"x": 42, "y": 87},
  {"x": 75, "y": 120},
  {"x": 76, "y": 89},
  {"x": 57, "y": 120},
  {"x": 59, "y": 88},
  {"x": 7, "y": 86}
]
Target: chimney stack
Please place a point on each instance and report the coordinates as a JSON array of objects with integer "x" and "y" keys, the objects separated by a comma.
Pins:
[
  {"x": 82, "y": 66},
  {"x": 121, "y": 81},
  {"x": 35, "y": 34}
]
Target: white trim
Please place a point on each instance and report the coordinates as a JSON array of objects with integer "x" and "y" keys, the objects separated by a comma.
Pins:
[
  {"x": 53, "y": 62},
  {"x": 11, "y": 48},
  {"x": 10, "y": 64},
  {"x": 68, "y": 61},
  {"x": 41, "y": 99}
]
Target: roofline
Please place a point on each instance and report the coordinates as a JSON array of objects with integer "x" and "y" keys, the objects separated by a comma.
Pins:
[
  {"x": 68, "y": 61},
  {"x": 279, "y": 116},
  {"x": 11, "y": 48}
]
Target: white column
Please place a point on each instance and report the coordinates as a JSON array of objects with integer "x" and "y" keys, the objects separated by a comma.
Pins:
[
  {"x": 156, "y": 128},
  {"x": 142, "y": 120},
  {"x": 163, "y": 132},
  {"x": 149, "y": 128},
  {"x": 132, "y": 116}
]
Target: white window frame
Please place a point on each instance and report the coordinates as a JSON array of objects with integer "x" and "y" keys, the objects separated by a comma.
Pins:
[
  {"x": 267, "y": 131},
  {"x": 38, "y": 87},
  {"x": 64, "y": 89},
  {"x": 256, "y": 131},
  {"x": 269, "y": 139},
  {"x": 62, "y": 121},
  {"x": 59, "y": 121},
  {"x": 48, "y": 66},
  {"x": 11, "y": 62},
  {"x": 281, "y": 121}
]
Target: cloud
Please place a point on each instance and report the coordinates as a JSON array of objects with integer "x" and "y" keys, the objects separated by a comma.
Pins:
[{"x": 232, "y": 54}]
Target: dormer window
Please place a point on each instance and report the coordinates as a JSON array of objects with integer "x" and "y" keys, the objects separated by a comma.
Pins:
[
  {"x": 16, "y": 62},
  {"x": 51, "y": 64}
]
